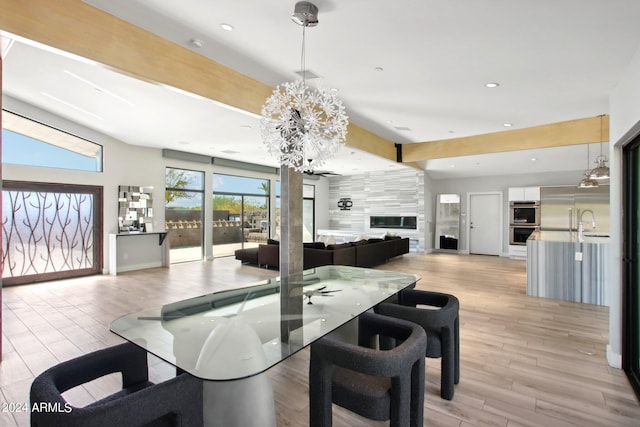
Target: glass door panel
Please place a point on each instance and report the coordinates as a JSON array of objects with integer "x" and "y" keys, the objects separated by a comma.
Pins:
[
  {"x": 184, "y": 207},
  {"x": 185, "y": 218},
  {"x": 228, "y": 228},
  {"x": 255, "y": 217}
]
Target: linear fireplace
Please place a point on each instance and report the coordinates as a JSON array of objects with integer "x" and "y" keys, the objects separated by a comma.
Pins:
[{"x": 407, "y": 222}]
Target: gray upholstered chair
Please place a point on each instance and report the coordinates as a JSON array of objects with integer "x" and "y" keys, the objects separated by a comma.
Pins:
[
  {"x": 376, "y": 384},
  {"x": 175, "y": 402},
  {"x": 442, "y": 325}
]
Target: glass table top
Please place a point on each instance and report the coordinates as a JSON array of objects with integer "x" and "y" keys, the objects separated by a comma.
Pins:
[{"x": 242, "y": 332}]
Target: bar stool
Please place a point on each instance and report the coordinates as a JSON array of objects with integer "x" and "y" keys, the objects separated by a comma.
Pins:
[{"x": 442, "y": 326}]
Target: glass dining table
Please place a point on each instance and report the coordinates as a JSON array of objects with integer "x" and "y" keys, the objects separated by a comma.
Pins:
[{"x": 229, "y": 339}]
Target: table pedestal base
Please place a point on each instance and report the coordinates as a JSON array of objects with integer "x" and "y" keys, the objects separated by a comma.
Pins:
[{"x": 248, "y": 402}]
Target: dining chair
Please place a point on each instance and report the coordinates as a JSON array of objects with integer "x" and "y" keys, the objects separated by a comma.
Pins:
[
  {"x": 376, "y": 384},
  {"x": 439, "y": 317},
  {"x": 175, "y": 402}
]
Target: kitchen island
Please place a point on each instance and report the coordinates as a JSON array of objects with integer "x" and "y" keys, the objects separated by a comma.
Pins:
[{"x": 561, "y": 267}]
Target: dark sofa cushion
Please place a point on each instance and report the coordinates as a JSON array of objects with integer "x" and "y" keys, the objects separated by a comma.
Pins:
[
  {"x": 339, "y": 246},
  {"x": 375, "y": 240},
  {"x": 360, "y": 243},
  {"x": 314, "y": 245},
  {"x": 248, "y": 255}
]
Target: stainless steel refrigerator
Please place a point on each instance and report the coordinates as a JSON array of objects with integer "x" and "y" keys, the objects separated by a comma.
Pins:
[{"x": 559, "y": 208}]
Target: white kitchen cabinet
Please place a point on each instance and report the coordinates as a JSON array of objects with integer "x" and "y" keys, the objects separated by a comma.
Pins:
[
  {"x": 517, "y": 252},
  {"x": 521, "y": 194},
  {"x": 531, "y": 193}
]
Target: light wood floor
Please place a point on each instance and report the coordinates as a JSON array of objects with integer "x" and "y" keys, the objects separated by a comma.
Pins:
[{"x": 525, "y": 361}]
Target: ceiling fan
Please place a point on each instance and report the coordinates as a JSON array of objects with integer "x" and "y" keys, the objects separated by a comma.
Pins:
[{"x": 308, "y": 170}]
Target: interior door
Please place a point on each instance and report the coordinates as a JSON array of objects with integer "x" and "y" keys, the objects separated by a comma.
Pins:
[{"x": 485, "y": 224}]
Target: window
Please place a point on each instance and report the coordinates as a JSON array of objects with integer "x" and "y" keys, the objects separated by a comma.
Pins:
[
  {"x": 50, "y": 231},
  {"x": 184, "y": 200},
  {"x": 26, "y": 142}
]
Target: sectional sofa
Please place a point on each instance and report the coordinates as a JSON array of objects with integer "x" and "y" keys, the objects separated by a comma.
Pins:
[{"x": 362, "y": 253}]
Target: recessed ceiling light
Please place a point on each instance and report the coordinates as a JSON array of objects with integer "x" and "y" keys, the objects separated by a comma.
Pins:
[
  {"x": 492, "y": 85},
  {"x": 226, "y": 27},
  {"x": 533, "y": 159},
  {"x": 453, "y": 166},
  {"x": 246, "y": 126},
  {"x": 379, "y": 69},
  {"x": 451, "y": 131},
  {"x": 507, "y": 125},
  {"x": 183, "y": 143}
]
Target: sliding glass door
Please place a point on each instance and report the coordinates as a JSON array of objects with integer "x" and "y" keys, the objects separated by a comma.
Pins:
[
  {"x": 631, "y": 289},
  {"x": 240, "y": 213}
]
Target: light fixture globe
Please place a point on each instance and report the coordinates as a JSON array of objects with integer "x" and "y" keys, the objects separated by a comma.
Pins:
[
  {"x": 300, "y": 123},
  {"x": 587, "y": 181}
]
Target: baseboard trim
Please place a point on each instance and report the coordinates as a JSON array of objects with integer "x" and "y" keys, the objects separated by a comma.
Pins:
[{"x": 614, "y": 359}]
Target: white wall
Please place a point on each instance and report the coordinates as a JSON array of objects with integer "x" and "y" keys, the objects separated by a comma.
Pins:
[{"x": 624, "y": 108}]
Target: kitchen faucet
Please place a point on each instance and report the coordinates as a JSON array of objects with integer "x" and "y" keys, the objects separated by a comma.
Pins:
[{"x": 581, "y": 226}]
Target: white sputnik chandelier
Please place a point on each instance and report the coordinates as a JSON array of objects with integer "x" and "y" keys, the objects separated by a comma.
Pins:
[{"x": 303, "y": 126}]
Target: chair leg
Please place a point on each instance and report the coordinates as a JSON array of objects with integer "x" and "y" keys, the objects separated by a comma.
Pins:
[
  {"x": 320, "y": 400},
  {"x": 447, "y": 374},
  {"x": 456, "y": 340},
  {"x": 417, "y": 393}
]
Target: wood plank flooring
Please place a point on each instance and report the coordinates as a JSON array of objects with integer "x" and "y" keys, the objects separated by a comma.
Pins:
[{"x": 525, "y": 361}]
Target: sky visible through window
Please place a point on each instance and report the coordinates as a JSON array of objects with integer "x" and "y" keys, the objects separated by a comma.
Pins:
[
  {"x": 239, "y": 185},
  {"x": 23, "y": 150}
]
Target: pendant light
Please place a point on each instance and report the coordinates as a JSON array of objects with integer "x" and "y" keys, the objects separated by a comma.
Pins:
[
  {"x": 299, "y": 122},
  {"x": 587, "y": 181},
  {"x": 602, "y": 170}
]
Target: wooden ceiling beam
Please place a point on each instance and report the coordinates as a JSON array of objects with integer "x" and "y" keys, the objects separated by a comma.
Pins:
[{"x": 572, "y": 132}]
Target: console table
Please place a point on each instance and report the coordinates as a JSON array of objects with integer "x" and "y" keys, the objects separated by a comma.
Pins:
[
  {"x": 229, "y": 339},
  {"x": 138, "y": 250}
]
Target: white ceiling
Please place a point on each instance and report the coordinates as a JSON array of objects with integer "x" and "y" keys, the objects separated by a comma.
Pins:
[{"x": 555, "y": 60}]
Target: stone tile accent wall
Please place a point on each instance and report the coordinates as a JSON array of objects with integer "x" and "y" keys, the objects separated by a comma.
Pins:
[{"x": 386, "y": 193}]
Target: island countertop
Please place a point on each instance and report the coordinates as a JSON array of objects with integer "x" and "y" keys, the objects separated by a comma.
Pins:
[{"x": 590, "y": 236}]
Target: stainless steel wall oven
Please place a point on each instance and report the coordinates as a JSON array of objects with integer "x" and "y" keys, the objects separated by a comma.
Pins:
[
  {"x": 519, "y": 235},
  {"x": 524, "y": 219},
  {"x": 524, "y": 213}
]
